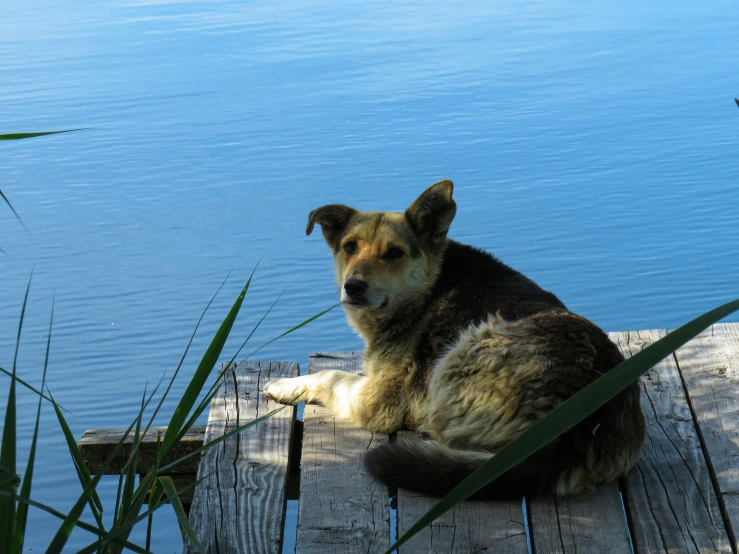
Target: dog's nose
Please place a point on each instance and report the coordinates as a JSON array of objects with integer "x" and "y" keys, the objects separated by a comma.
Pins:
[{"x": 355, "y": 287}]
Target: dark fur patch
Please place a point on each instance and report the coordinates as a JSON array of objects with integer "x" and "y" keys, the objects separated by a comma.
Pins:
[{"x": 405, "y": 463}]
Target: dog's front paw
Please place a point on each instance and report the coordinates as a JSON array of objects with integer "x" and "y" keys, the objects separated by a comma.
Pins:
[{"x": 286, "y": 391}]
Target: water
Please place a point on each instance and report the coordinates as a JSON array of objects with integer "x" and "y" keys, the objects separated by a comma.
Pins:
[{"x": 593, "y": 146}]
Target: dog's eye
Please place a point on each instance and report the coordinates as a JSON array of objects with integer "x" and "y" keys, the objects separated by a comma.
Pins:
[
  {"x": 350, "y": 247},
  {"x": 393, "y": 254}
]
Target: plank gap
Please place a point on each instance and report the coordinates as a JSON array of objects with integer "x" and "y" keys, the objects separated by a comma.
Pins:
[
  {"x": 623, "y": 491},
  {"x": 527, "y": 525}
]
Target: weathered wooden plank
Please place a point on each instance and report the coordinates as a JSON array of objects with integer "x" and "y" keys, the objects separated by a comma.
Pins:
[
  {"x": 342, "y": 509},
  {"x": 471, "y": 527},
  {"x": 97, "y": 444},
  {"x": 709, "y": 365},
  {"x": 239, "y": 505},
  {"x": 592, "y": 522},
  {"x": 669, "y": 494}
]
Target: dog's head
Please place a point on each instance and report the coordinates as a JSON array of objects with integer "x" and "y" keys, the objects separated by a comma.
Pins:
[{"x": 385, "y": 259}]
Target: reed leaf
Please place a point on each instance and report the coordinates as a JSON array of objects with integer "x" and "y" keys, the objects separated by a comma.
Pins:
[
  {"x": 12, "y": 209},
  {"x": 292, "y": 329},
  {"x": 29, "y": 387},
  {"x": 155, "y": 496},
  {"x": 129, "y": 484},
  {"x": 70, "y": 521},
  {"x": 117, "y": 533},
  {"x": 9, "y": 478},
  {"x": 19, "y": 136},
  {"x": 177, "y": 369},
  {"x": 203, "y": 371},
  {"x": 223, "y": 437},
  {"x": 571, "y": 412},
  {"x": 21, "y": 517},
  {"x": 83, "y": 474},
  {"x": 219, "y": 380},
  {"x": 81, "y": 524},
  {"x": 179, "y": 511},
  {"x": 7, "y": 450}
]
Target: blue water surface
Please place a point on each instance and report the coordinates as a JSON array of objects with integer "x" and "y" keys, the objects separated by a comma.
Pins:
[{"x": 594, "y": 146}]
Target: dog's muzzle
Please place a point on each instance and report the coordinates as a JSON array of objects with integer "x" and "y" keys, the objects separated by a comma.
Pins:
[{"x": 355, "y": 290}]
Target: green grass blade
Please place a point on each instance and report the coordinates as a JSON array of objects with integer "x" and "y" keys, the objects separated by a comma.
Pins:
[
  {"x": 179, "y": 511},
  {"x": 217, "y": 383},
  {"x": 220, "y": 438},
  {"x": 29, "y": 387},
  {"x": 155, "y": 496},
  {"x": 79, "y": 463},
  {"x": 19, "y": 136},
  {"x": 9, "y": 478},
  {"x": 72, "y": 518},
  {"x": 147, "y": 484},
  {"x": 193, "y": 418},
  {"x": 569, "y": 413},
  {"x": 201, "y": 407},
  {"x": 203, "y": 371},
  {"x": 243, "y": 344},
  {"x": 22, "y": 515},
  {"x": 292, "y": 329},
  {"x": 12, "y": 209},
  {"x": 130, "y": 480},
  {"x": 176, "y": 372},
  {"x": 7, "y": 450},
  {"x": 119, "y": 532},
  {"x": 118, "y": 495},
  {"x": 137, "y": 503},
  {"x": 81, "y": 524},
  {"x": 219, "y": 380}
]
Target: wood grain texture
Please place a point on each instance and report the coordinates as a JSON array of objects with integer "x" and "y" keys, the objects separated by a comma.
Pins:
[
  {"x": 709, "y": 365},
  {"x": 593, "y": 522},
  {"x": 669, "y": 495},
  {"x": 342, "y": 509},
  {"x": 97, "y": 444},
  {"x": 471, "y": 527},
  {"x": 239, "y": 505}
]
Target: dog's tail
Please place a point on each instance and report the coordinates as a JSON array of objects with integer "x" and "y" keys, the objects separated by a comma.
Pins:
[{"x": 432, "y": 468}]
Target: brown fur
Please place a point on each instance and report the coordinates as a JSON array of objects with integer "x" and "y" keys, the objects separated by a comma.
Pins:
[{"x": 466, "y": 350}]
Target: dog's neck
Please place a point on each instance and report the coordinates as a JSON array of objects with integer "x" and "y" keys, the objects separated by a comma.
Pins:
[{"x": 390, "y": 333}]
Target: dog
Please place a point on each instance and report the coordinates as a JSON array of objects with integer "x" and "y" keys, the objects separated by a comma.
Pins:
[{"x": 466, "y": 351}]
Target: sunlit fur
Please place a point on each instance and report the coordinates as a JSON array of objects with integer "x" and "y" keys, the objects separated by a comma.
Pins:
[{"x": 467, "y": 351}]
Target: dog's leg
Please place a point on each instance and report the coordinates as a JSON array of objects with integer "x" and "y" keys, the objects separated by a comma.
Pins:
[
  {"x": 336, "y": 390},
  {"x": 356, "y": 398}
]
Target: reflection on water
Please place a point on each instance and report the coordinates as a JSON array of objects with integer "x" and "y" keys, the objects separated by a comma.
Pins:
[{"x": 593, "y": 147}]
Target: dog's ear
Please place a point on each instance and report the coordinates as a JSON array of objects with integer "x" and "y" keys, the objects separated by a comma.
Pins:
[
  {"x": 432, "y": 213},
  {"x": 333, "y": 220}
]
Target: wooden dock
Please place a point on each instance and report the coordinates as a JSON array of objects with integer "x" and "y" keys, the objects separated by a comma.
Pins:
[{"x": 683, "y": 496}]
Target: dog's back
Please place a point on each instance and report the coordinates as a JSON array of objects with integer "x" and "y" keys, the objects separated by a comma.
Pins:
[{"x": 505, "y": 353}]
